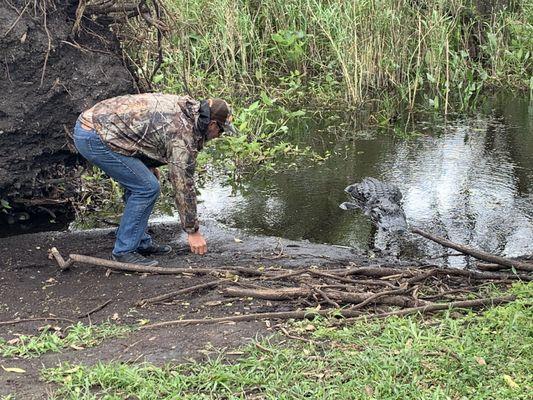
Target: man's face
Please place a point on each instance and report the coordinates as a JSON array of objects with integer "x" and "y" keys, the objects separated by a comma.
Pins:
[{"x": 214, "y": 130}]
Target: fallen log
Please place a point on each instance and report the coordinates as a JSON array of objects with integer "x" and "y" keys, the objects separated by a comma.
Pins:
[{"x": 479, "y": 254}]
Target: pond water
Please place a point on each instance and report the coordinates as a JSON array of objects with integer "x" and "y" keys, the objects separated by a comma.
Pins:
[{"x": 467, "y": 179}]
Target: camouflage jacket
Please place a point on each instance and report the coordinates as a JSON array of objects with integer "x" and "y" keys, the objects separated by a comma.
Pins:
[{"x": 158, "y": 129}]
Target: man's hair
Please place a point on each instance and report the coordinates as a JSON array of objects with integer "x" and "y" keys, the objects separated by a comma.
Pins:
[{"x": 220, "y": 110}]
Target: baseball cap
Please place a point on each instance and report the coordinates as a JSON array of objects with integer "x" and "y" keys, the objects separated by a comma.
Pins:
[{"x": 222, "y": 113}]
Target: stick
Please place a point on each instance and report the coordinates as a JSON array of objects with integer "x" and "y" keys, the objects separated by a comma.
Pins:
[
  {"x": 388, "y": 272},
  {"x": 443, "y": 306},
  {"x": 297, "y": 292},
  {"x": 378, "y": 295},
  {"x": 96, "y": 309},
  {"x": 252, "y": 317},
  {"x": 20, "y": 321},
  {"x": 63, "y": 265},
  {"x": 178, "y": 292},
  {"x": 339, "y": 312},
  {"x": 348, "y": 280},
  {"x": 479, "y": 254},
  {"x": 116, "y": 265}
]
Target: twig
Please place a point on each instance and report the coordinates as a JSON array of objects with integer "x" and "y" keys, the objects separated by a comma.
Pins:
[
  {"x": 479, "y": 254},
  {"x": 377, "y": 296},
  {"x": 443, "y": 306},
  {"x": 253, "y": 317},
  {"x": 326, "y": 298},
  {"x": 20, "y": 321},
  {"x": 63, "y": 265},
  {"x": 96, "y": 309}
]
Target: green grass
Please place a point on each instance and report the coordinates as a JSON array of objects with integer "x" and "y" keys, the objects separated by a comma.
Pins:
[
  {"x": 77, "y": 337},
  {"x": 475, "y": 356}
]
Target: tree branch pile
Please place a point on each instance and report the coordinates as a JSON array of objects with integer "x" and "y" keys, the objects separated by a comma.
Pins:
[{"x": 345, "y": 291}]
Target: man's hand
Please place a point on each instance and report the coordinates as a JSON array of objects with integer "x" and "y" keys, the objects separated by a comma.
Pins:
[
  {"x": 197, "y": 243},
  {"x": 156, "y": 172}
]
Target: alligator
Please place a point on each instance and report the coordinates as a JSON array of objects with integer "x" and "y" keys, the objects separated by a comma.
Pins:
[{"x": 381, "y": 201}]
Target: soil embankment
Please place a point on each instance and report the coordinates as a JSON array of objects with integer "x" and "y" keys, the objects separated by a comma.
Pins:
[{"x": 48, "y": 76}]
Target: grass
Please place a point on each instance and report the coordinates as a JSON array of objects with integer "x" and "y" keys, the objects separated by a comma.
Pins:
[
  {"x": 77, "y": 337},
  {"x": 474, "y": 356}
]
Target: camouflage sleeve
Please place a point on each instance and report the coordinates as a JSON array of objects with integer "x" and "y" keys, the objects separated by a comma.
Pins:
[{"x": 182, "y": 163}]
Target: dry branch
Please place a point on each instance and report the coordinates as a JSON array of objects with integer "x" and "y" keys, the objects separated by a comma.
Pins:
[
  {"x": 346, "y": 313},
  {"x": 479, "y": 254},
  {"x": 20, "y": 321},
  {"x": 96, "y": 309},
  {"x": 116, "y": 265},
  {"x": 444, "y": 306},
  {"x": 302, "y": 292}
]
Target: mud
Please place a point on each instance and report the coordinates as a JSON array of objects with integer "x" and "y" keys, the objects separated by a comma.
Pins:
[
  {"x": 48, "y": 76},
  {"x": 31, "y": 285}
]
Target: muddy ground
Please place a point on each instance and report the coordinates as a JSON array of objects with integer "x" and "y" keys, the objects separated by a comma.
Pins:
[{"x": 31, "y": 285}]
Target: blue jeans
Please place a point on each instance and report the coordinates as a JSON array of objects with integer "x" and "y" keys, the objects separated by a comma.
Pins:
[{"x": 141, "y": 188}]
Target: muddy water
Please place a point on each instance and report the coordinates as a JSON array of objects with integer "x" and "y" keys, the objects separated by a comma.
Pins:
[{"x": 465, "y": 178}]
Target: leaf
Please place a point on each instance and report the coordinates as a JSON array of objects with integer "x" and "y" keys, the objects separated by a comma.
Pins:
[
  {"x": 143, "y": 321},
  {"x": 76, "y": 347},
  {"x": 14, "y": 369},
  {"x": 481, "y": 361},
  {"x": 512, "y": 384}
]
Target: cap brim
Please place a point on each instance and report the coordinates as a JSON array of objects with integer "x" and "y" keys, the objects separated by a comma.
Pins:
[{"x": 229, "y": 129}]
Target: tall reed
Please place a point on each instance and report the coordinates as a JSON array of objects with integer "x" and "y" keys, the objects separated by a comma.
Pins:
[{"x": 434, "y": 51}]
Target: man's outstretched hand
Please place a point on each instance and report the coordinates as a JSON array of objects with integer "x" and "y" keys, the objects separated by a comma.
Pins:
[{"x": 197, "y": 243}]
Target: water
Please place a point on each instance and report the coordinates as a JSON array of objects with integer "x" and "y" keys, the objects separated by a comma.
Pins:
[{"x": 467, "y": 178}]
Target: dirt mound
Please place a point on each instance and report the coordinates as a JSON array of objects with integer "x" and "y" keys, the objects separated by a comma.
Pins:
[{"x": 49, "y": 75}]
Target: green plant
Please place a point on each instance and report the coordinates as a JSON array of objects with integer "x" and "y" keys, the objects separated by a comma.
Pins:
[{"x": 50, "y": 340}]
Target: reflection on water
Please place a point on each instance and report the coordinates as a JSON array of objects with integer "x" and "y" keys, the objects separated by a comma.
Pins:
[{"x": 468, "y": 180}]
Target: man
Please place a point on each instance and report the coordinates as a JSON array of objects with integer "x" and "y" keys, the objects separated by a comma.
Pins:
[{"x": 128, "y": 137}]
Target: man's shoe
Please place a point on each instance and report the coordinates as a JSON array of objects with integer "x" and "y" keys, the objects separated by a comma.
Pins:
[
  {"x": 155, "y": 250},
  {"x": 134, "y": 258}
]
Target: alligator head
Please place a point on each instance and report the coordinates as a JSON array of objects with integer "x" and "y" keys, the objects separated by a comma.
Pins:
[{"x": 380, "y": 201}]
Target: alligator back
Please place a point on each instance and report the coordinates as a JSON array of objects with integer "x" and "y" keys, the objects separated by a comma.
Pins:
[{"x": 381, "y": 201}]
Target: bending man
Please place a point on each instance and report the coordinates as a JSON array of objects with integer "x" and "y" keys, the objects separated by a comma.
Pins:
[{"x": 128, "y": 137}]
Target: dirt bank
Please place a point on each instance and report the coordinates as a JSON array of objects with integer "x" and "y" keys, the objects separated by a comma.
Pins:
[{"x": 48, "y": 76}]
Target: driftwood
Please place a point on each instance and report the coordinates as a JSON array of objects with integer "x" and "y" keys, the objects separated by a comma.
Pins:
[
  {"x": 341, "y": 291},
  {"x": 479, "y": 254},
  {"x": 346, "y": 313},
  {"x": 388, "y": 273}
]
